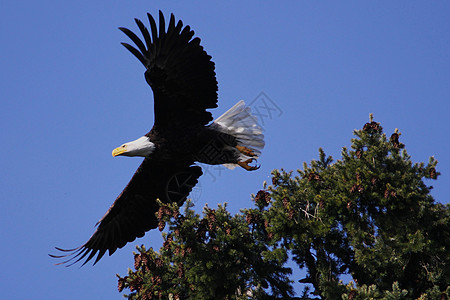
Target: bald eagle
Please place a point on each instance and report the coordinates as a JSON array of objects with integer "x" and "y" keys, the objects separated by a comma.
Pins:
[{"x": 182, "y": 77}]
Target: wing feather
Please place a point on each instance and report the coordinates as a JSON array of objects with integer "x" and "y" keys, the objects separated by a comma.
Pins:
[
  {"x": 153, "y": 30},
  {"x": 134, "y": 211},
  {"x": 134, "y": 38},
  {"x": 179, "y": 71},
  {"x": 145, "y": 33},
  {"x": 135, "y": 52},
  {"x": 162, "y": 25}
]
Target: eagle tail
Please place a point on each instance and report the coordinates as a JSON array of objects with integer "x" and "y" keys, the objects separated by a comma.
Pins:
[{"x": 240, "y": 123}]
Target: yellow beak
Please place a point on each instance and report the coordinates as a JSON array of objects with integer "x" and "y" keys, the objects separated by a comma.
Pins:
[{"x": 119, "y": 151}]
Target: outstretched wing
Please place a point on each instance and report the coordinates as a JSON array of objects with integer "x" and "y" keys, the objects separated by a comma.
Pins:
[
  {"x": 180, "y": 73},
  {"x": 134, "y": 211}
]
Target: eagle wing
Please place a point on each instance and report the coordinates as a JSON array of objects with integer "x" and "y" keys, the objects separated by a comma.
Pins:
[
  {"x": 179, "y": 71},
  {"x": 134, "y": 211}
]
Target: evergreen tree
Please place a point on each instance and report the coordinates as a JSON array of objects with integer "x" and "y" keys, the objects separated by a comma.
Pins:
[
  {"x": 369, "y": 216},
  {"x": 213, "y": 257}
]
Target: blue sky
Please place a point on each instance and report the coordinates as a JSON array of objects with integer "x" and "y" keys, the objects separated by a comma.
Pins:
[{"x": 70, "y": 93}]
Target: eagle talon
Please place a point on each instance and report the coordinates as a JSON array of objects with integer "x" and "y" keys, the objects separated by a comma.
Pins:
[
  {"x": 246, "y": 151},
  {"x": 244, "y": 164}
]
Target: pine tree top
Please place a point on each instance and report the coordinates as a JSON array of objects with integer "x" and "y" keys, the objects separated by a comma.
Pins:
[{"x": 368, "y": 215}]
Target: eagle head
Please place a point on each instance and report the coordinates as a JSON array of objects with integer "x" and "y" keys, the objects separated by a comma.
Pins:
[{"x": 140, "y": 147}]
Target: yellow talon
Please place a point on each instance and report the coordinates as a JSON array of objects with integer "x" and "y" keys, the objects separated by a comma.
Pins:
[
  {"x": 244, "y": 164},
  {"x": 246, "y": 151}
]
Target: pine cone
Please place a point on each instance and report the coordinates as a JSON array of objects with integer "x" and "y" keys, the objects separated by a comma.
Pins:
[
  {"x": 159, "y": 263},
  {"x": 359, "y": 153},
  {"x": 249, "y": 218},
  {"x": 275, "y": 177},
  {"x": 175, "y": 214},
  {"x": 167, "y": 210},
  {"x": 372, "y": 127},
  {"x": 349, "y": 204},
  {"x": 145, "y": 259},
  {"x": 211, "y": 216},
  {"x": 285, "y": 202},
  {"x": 433, "y": 173},
  {"x": 169, "y": 238},
  {"x": 121, "y": 283},
  {"x": 313, "y": 176},
  {"x": 360, "y": 189},
  {"x": 160, "y": 212},
  {"x": 274, "y": 180},
  {"x": 394, "y": 140},
  {"x": 357, "y": 187},
  {"x": 201, "y": 230},
  {"x": 135, "y": 285},
  {"x": 161, "y": 225},
  {"x": 262, "y": 197},
  {"x": 291, "y": 214},
  {"x": 228, "y": 230},
  {"x": 267, "y": 198},
  {"x": 156, "y": 279},
  {"x": 180, "y": 270},
  {"x": 137, "y": 261},
  {"x": 366, "y": 127},
  {"x": 166, "y": 245}
]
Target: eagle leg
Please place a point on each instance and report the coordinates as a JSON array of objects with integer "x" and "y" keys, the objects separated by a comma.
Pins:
[
  {"x": 246, "y": 151},
  {"x": 244, "y": 164}
]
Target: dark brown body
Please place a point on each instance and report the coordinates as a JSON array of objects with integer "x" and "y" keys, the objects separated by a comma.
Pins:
[{"x": 194, "y": 144}]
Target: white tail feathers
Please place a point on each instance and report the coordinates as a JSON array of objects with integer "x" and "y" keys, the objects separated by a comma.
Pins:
[{"x": 240, "y": 123}]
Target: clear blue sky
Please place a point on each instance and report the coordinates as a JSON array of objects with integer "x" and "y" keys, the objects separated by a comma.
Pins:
[{"x": 70, "y": 93}]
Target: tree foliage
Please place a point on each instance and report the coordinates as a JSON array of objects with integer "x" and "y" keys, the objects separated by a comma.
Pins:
[{"x": 368, "y": 216}]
